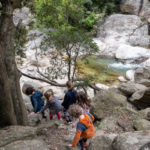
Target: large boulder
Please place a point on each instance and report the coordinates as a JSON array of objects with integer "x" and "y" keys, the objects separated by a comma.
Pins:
[
  {"x": 105, "y": 101},
  {"x": 14, "y": 133},
  {"x": 137, "y": 7},
  {"x": 129, "y": 88},
  {"x": 34, "y": 119},
  {"x": 142, "y": 73},
  {"x": 141, "y": 98},
  {"x": 145, "y": 82},
  {"x": 141, "y": 124},
  {"x": 27, "y": 138},
  {"x": 132, "y": 140},
  {"x": 139, "y": 140},
  {"x": 115, "y": 36},
  {"x": 130, "y": 52},
  {"x": 116, "y": 90},
  {"x": 109, "y": 125},
  {"x": 102, "y": 142},
  {"x": 34, "y": 144},
  {"x": 146, "y": 113},
  {"x": 120, "y": 120}
]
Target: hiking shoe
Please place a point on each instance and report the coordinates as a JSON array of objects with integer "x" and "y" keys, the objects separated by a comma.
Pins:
[
  {"x": 67, "y": 122},
  {"x": 85, "y": 148}
]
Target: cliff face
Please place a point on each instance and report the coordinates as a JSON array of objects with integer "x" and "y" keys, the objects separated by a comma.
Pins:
[
  {"x": 137, "y": 7},
  {"x": 126, "y": 36},
  {"x": 120, "y": 36}
]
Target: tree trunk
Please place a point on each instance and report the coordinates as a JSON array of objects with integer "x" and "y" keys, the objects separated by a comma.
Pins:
[{"x": 12, "y": 109}]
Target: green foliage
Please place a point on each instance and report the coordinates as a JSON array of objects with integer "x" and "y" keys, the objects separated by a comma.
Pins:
[
  {"x": 70, "y": 20},
  {"x": 110, "y": 6},
  {"x": 68, "y": 38},
  {"x": 96, "y": 9},
  {"x": 76, "y": 13},
  {"x": 58, "y": 13},
  {"x": 71, "y": 43},
  {"x": 90, "y": 20}
]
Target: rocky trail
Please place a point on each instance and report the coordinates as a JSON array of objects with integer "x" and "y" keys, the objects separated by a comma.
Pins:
[
  {"x": 58, "y": 136},
  {"x": 50, "y": 135},
  {"x": 55, "y": 138}
]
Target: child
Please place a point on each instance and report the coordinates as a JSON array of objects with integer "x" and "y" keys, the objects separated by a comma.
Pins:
[
  {"x": 36, "y": 99},
  {"x": 85, "y": 128},
  {"x": 53, "y": 104},
  {"x": 69, "y": 99},
  {"x": 83, "y": 101}
]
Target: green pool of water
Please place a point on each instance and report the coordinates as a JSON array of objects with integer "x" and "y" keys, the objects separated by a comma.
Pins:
[{"x": 101, "y": 70}]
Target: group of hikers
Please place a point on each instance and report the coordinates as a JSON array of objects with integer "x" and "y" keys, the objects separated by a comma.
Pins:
[{"x": 75, "y": 106}]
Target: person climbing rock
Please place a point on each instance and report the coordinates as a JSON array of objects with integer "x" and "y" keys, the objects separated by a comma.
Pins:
[
  {"x": 53, "y": 104},
  {"x": 69, "y": 99},
  {"x": 85, "y": 128},
  {"x": 36, "y": 100}
]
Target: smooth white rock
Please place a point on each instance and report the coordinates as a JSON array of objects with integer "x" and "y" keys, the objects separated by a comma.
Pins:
[
  {"x": 102, "y": 86},
  {"x": 130, "y": 75},
  {"x": 130, "y": 52},
  {"x": 122, "y": 79}
]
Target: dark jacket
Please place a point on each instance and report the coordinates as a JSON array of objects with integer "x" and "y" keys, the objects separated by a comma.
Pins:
[
  {"x": 37, "y": 101},
  {"x": 54, "y": 106},
  {"x": 69, "y": 99}
]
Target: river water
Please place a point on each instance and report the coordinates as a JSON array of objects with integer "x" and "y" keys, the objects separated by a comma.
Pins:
[{"x": 104, "y": 70}]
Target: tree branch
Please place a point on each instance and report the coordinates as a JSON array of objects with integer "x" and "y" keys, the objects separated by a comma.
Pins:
[
  {"x": 43, "y": 80},
  {"x": 57, "y": 84},
  {"x": 93, "y": 86}
]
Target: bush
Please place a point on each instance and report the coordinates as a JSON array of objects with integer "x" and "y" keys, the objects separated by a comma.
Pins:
[{"x": 90, "y": 20}]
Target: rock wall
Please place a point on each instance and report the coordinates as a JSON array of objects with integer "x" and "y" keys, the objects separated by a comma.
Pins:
[
  {"x": 137, "y": 7},
  {"x": 120, "y": 36}
]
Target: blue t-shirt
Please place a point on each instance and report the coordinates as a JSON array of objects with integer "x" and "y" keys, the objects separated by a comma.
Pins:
[{"x": 69, "y": 99}]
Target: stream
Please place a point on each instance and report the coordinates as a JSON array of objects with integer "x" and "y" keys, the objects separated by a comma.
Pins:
[{"x": 103, "y": 70}]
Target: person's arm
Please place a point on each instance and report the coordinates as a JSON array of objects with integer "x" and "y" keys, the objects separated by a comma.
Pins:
[
  {"x": 35, "y": 104},
  {"x": 44, "y": 108},
  {"x": 76, "y": 138}
]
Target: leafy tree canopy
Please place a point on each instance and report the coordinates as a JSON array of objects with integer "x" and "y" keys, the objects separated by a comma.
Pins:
[
  {"x": 68, "y": 38},
  {"x": 76, "y": 13},
  {"x": 59, "y": 13}
]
